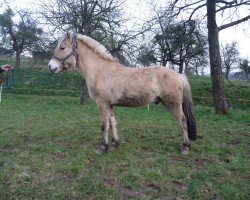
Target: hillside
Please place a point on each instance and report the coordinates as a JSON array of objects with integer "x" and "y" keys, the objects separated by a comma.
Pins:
[{"x": 37, "y": 81}]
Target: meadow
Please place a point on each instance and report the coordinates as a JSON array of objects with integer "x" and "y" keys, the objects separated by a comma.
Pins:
[{"x": 48, "y": 141}]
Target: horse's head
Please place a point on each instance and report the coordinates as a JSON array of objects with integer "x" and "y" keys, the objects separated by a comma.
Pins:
[{"x": 65, "y": 54}]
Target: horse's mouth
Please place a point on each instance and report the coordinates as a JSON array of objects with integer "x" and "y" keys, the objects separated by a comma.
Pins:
[{"x": 54, "y": 71}]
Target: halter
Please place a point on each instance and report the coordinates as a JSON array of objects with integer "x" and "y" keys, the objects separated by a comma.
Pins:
[{"x": 72, "y": 53}]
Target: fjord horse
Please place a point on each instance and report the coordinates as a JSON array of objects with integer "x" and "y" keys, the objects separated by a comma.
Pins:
[{"x": 111, "y": 84}]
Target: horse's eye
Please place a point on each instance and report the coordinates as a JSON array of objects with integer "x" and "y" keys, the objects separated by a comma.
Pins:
[{"x": 62, "y": 48}]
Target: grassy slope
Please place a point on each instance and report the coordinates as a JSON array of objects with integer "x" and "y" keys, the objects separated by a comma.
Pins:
[
  {"x": 238, "y": 93},
  {"x": 47, "y": 143},
  {"x": 35, "y": 81}
]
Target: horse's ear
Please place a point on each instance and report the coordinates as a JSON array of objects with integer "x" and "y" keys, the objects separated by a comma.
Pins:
[{"x": 68, "y": 35}]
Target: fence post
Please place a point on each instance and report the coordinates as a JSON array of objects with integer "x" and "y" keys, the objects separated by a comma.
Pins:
[
  {"x": 1, "y": 87},
  {"x": 10, "y": 78}
]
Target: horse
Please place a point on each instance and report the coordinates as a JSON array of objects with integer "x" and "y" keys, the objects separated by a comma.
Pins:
[{"x": 111, "y": 84}]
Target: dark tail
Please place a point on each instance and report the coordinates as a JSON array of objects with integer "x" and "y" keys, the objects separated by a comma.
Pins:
[{"x": 187, "y": 106}]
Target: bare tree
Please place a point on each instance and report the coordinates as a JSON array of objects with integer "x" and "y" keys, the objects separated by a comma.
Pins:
[
  {"x": 20, "y": 35},
  {"x": 214, "y": 7},
  {"x": 146, "y": 55},
  {"x": 245, "y": 67},
  {"x": 197, "y": 65},
  {"x": 179, "y": 42},
  {"x": 230, "y": 57}
]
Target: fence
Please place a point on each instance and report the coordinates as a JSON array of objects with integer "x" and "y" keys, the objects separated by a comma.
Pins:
[{"x": 35, "y": 79}]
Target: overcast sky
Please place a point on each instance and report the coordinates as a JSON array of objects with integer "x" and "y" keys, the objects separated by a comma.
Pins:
[{"x": 240, "y": 33}]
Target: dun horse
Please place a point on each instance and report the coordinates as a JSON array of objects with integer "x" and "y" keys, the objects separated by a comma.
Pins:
[{"x": 111, "y": 84}]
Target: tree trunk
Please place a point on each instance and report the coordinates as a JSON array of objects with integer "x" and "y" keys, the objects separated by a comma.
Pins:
[
  {"x": 227, "y": 72},
  {"x": 181, "y": 67},
  {"x": 219, "y": 99},
  {"x": 164, "y": 63},
  {"x": 85, "y": 30},
  {"x": 196, "y": 70},
  {"x": 84, "y": 93},
  {"x": 18, "y": 58}
]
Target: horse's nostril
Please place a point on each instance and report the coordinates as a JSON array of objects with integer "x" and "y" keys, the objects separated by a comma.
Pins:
[{"x": 52, "y": 70}]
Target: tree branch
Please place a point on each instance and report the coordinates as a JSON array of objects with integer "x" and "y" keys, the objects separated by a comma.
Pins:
[
  {"x": 197, "y": 8},
  {"x": 233, "y": 23},
  {"x": 226, "y": 2},
  {"x": 231, "y": 5}
]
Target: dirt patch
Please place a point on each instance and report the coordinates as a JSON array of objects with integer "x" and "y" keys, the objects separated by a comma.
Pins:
[
  {"x": 201, "y": 161},
  {"x": 65, "y": 144},
  {"x": 59, "y": 156},
  {"x": 177, "y": 158},
  {"x": 153, "y": 186},
  {"x": 125, "y": 190},
  {"x": 235, "y": 142},
  {"x": 1, "y": 165},
  {"x": 179, "y": 185},
  {"x": 246, "y": 175},
  {"x": 225, "y": 160},
  {"x": 9, "y": 150}
]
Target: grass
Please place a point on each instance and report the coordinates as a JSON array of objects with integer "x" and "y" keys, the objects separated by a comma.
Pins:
[
  {"x": 40, "y": 82},
  {"x": 237, "y": 92},
  {"x": 47, "y": 152}
]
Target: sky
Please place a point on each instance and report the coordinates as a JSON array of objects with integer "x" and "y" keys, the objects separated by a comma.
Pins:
[
  {"x": 137, "y": 8},
  {"x": 239, "y": 33}
]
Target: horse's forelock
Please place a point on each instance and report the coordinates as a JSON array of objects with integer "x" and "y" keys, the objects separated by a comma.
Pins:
[{"x": 60, "y": 41}]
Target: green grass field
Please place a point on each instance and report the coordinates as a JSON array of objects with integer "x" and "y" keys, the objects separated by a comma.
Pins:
[{"x": 47, "y": 152}]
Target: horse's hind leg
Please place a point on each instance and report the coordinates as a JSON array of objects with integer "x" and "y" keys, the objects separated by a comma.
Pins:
[
  {"x": 177, "y": 111},
  {"x": 112, "y": 121}
]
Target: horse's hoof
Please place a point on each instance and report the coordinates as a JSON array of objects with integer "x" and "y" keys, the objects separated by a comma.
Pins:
[
  {"x": 185, "y": 149},
  {"x": 102, "y": 149},
  {"x": 115, "y": 143}
]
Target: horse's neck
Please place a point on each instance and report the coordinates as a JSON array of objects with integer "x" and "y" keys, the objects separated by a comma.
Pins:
[{"x": 89, "y": 62}]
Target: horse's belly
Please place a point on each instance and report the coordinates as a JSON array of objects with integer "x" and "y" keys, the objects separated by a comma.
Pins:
[{"x": 140, "y": 99}]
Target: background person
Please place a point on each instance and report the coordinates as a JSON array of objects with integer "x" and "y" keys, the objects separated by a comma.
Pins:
[{"x": 5, "y": 67}]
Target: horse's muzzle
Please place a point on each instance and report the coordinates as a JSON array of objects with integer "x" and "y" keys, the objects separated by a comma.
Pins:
[{"x": 52, "y": 70}]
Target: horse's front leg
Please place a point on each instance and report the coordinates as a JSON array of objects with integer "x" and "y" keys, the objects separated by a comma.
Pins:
[
  {"x": 115, "y": 137},
  {"x": 105, "y": 125}
]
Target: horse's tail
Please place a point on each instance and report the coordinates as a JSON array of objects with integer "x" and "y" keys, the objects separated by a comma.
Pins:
[{"x": 187, "y": 107}]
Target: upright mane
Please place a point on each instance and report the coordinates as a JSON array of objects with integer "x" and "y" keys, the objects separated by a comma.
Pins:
[{"x": 97, "y": 47}]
